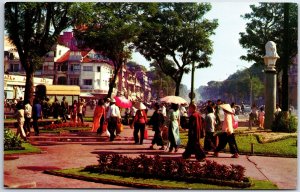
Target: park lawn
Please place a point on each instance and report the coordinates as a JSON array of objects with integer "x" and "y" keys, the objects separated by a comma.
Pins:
[
  {"x": 85, "y": 175},
  {"x": 28, "y": 149},
  {"x": 287, "y": 147}
]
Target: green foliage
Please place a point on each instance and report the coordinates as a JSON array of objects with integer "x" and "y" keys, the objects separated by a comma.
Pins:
[
  {"x": 11, "y": 140},
  {"x": 171, "y": 169},
  {"x": 109, "y": 28},
  {"x": 236, "y": 88},
  {"x": 280, "y": 124},
  {"x": 166, "y": 27},
  {"x": 27, "y": 148},
  {"x": 266, "y": 23},
  {"x": 160, "y": 81},
  {"x": 285, "y": 147},
  {"x": 79, "y": 173},
  {"x": 33, "y": 27}
]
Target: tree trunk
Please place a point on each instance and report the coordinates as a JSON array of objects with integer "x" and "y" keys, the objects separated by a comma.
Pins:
[
  {"x": 29, "y": 87},
  {"x": 113, "y": 81},
  {"x": 177, "y": 88},
  {"x": 178, "y": 81}
]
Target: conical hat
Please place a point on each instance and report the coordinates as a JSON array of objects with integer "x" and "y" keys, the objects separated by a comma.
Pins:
[
  {"x": 139, "y": 105},
  {"x": 226, "y": 107}
]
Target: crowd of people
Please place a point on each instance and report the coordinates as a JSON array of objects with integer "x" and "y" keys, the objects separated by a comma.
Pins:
[
  {"x": 28, "y": 115},
  {"x": 166, "y": 121}
]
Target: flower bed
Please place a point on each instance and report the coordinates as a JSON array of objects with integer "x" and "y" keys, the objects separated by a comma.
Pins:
[
  {"x": 66, "y": 125},
  {"x": 178, "y": 169}
]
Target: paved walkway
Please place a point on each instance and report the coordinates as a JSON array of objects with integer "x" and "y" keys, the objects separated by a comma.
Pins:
[{"x": 26, "y": 171}]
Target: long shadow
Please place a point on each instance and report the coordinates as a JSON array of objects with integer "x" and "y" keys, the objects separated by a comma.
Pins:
[
  {"x": 129, "y": 149},
  {"x": 39, "y": 168},
  {"x": 132, "y": 152},
  {"x": 113, "y": 143}
]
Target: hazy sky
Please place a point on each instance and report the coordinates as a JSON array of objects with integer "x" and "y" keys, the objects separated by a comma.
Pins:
[{"x": 227, "y": 49}]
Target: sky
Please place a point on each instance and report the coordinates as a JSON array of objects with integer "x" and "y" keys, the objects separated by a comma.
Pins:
[{"x": 227, "y": 50}]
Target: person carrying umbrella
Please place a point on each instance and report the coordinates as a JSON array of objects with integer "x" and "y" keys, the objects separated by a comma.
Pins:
[
  {"x": 173, "y": 132},
  {"x": 139, "y": 123}
]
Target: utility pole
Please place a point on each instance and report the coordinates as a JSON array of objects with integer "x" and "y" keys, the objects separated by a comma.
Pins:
[{"x": 192, "y": 83}]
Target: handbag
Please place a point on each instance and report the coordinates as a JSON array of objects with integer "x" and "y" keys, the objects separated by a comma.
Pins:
[
  {"x": 235, "y": 123},
  {"x": 164, "y": 132},
  {"x": 119, "y": 128},
  {"x": 146, "y": 134}
]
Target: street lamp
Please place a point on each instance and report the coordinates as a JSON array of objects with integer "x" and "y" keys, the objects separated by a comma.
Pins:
[{"x": 250, "y": 78}]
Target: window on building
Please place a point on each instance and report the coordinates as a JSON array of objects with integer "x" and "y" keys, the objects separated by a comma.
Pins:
[
  {"x": 62, "y": 81},
  {"x": 46, "y": 68},
  {"x": 74, "y": 81},
  {"x": 62, "y": 67},
  {"x": 87, "y": 82},
  {"x": 87, "y": 68},
  {"x": 98, "y": 69},
  {"x": 75, "y": 67},
  {"x": 14, "y": 67}
]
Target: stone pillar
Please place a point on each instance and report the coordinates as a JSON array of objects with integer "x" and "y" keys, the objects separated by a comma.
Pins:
[
  {"x": 270, "y": 83},
  {"x": 270, "y": 97}
]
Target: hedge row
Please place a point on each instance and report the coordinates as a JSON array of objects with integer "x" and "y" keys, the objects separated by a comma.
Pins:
[{"x": 171, "y": 169}]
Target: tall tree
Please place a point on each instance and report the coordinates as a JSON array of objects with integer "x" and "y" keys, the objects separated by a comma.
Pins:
[
  {"x": 178, "y": 32},
  {"x": 266, "y": 23},
  {"x": 34, "y": 28},
  {"x": 109, "y": 28},
  {"x": 163, "y": 84}
]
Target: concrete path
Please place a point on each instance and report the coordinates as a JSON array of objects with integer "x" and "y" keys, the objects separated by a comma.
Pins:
[{"x": 26, "y": 171}]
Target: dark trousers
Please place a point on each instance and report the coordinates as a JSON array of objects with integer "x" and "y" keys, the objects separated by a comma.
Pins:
[
  {"x": 64, "y": 117},
  {"x": 80, "y": 116},
  {"x": 112, "y": 126},
  {"x": 172, "y": 140},
  {"x": 193, "y": 148},
  {"x": 35, "y": 125},
  {"x": 157, "y": 139},
  {"x": 27, "y": 125},
  {"x": 100, "y": 129},
  {"x": 209, "y": 141},
  {"x": 230, "y": 139},
  {"x": 139, "y": 127}
]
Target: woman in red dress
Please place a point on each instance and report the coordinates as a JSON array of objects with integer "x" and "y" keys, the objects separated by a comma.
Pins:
[{"x": 99, "y": 116}]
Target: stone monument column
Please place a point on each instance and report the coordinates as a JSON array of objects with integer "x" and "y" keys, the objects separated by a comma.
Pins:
[{"x": 270, "y": 83}]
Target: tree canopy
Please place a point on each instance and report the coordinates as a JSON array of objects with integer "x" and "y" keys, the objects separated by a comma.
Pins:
[
  {"x": 34, "y": 27},
  {"x": 177, "y": 32},
  {"x": 109, "y": 28},
  {"x": 266, "y": 23}
]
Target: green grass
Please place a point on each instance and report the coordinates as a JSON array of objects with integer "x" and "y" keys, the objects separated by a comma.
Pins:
[
  {"x": 28, "y": 149},
  {"x": 88, "y": 119},
  {"x": 162, "y": 183},
  {"x": 287, "y": 147}
]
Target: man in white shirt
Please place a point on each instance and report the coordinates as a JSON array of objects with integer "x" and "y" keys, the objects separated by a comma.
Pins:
[
  {"x": 163, "y": 110},
  {"x": 27, "y": 115},
  {"x": 113, "y": 117}
]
